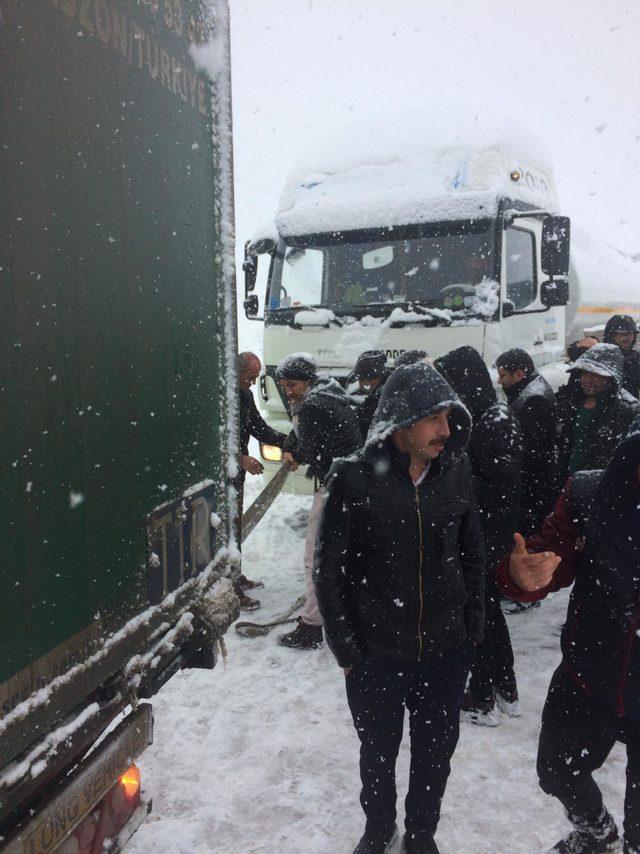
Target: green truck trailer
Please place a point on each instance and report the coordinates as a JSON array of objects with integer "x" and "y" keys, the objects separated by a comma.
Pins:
[{"x": 118, "y": 343}]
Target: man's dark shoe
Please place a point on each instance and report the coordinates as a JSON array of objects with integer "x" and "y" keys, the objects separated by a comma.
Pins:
[
  {"x": 303, "y": 636},
  {"x": 481, "y": 713},
  {"x": 246, "y": 602},
  {"x": 419, "y": 843},
  {"x": 247, "y": 584},
  {"x": 377, "y": 842},
  {"x": 590, "y": 838}
]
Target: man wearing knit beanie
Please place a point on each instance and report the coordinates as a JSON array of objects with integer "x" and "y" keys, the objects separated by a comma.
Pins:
[
  {"x": 325, "y": 427},
  {"x": 371, "y": 372}
]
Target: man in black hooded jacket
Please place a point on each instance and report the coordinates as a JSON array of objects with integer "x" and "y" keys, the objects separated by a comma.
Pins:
[
  {"x": 372, "y": 373},
  {"x": 495, "y": 451},
  {"x": 593, "y": 538},
  {"x": 622, "y": 330},
  {"x": 533, "y": 403},
  {"x": 399, "y": 577}
]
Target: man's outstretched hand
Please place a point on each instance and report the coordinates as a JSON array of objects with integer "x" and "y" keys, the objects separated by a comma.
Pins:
[
  {"x": 251, "y": 464},
  {"x": 531, "y": 571}
]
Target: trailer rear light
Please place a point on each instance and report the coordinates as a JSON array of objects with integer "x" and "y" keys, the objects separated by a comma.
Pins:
[
  {"x": 271, "y": 453},
  {"x": 130, "y": 781}
]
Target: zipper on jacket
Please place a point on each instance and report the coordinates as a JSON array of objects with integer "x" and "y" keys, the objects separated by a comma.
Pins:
[{"x": 419, "y": 571}]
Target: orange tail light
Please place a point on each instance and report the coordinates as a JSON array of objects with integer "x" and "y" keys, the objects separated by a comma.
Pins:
[{"x": 130, "y": 781}]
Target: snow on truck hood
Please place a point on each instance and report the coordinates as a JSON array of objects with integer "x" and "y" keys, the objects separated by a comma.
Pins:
[{"x": 406, "y": 171}]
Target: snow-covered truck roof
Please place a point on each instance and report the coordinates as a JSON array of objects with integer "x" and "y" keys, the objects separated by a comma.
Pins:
[{"x": 367, "y": 178}]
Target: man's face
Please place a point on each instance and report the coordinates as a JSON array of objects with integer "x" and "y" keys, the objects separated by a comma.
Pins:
[
  {"x": 249, "y": 374},
  {"x": 477, "y": 268},
  {"x": 508, "y": 378},
  {"x": 426, "y": 438},
  {"x": 624, "y": 340},
  {"x": 295, "y": 390},
  {"x": 594, "y": 384},
  {"x": 369, "y": 383}
]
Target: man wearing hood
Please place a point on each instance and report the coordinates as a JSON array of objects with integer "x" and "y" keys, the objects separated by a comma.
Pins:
[
  {"x": 593, "y": 538},
  {"x": 621, "y": 330},
  {"x": 495, "y": 451},
  {"x": 325, "y": 427},
  {"x": 533, "y": 403},
  {"x": 593, "y": 412},
  {"x": 372, "y": 373},
  {"x": 399, "y": 578}
]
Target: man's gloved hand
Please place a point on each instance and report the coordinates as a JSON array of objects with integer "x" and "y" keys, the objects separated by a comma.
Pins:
[{"x": 288, "y": 460}]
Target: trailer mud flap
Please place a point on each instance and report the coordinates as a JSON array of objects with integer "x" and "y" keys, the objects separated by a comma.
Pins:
[{"x": 54, "y": 820}]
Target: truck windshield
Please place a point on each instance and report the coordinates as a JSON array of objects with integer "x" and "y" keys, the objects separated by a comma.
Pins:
[{"x": 350, "y": 275}]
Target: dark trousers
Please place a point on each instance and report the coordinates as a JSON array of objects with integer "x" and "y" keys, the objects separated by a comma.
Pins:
[
  {"x": 493, "y": 668},
  {"x": 238, "y": 482},
  {"x": 577, "y": 736},
  {"x": 378, "y": 690}
]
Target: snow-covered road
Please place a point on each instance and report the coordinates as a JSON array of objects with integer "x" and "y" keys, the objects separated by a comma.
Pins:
[{"x": 261, "y": 755}]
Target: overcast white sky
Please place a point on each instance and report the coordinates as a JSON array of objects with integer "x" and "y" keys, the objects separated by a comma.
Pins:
[{"x": 568, "y": 69}]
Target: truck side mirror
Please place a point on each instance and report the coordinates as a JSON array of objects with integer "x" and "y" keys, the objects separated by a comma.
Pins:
[
  {"x": 251, "y": 306},
  {"x": 508, "y": 308},
  {"x": 554, "y": 292},
  {"x": 556, "y": 239}
]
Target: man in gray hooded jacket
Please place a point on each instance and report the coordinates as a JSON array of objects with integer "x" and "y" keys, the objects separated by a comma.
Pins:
[
  {"x": 594, "y": 412},
  {"x": 399, "y": 577}
]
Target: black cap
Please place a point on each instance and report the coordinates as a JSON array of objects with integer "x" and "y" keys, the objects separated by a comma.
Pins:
[
  {"x": 516, "y": 359},
  {"x": 297, "y": 366},
  {"x": 370, "y": 365},
  {"x": 619, "y": 323}
]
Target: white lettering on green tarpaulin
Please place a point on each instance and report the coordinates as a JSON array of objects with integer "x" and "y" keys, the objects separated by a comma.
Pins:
[{"x": 141, "y": 48}]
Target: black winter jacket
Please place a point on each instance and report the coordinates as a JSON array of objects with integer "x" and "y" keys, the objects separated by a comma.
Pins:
[
  {"x": 326, "y": 428},
  {"x": 252, "y": 424},
  {"x": 399, "y": 569},
  {"x": 368, "y": 407},
  {"x": 533, "y": 403},
  {"x": 494, "y": 449}
]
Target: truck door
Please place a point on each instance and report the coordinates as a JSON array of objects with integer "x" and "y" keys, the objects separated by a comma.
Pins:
[{"x": 525, "y": 321}]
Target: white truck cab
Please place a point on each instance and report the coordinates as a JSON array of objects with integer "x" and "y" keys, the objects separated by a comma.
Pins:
[{"x": 458, "y": 247}]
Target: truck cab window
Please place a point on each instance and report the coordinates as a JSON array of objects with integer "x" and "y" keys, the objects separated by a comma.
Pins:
[
  {"x": 301, "y": 279},
  {"x": 521, "y": 269},
  {"x": 435, "y": 270}
]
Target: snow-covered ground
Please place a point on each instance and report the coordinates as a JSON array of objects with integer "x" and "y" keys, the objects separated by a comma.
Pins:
[{"x": 260, "y": 755}]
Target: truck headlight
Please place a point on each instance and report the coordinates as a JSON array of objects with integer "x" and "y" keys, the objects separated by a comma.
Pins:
[{"x": 271, "y": 453}]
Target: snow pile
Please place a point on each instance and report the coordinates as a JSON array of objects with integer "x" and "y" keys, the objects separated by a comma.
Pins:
[
  {"x": 314, "y": 317},
  {"x": 264, "y": 756},
  {"x": 413, "y": 169}
]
